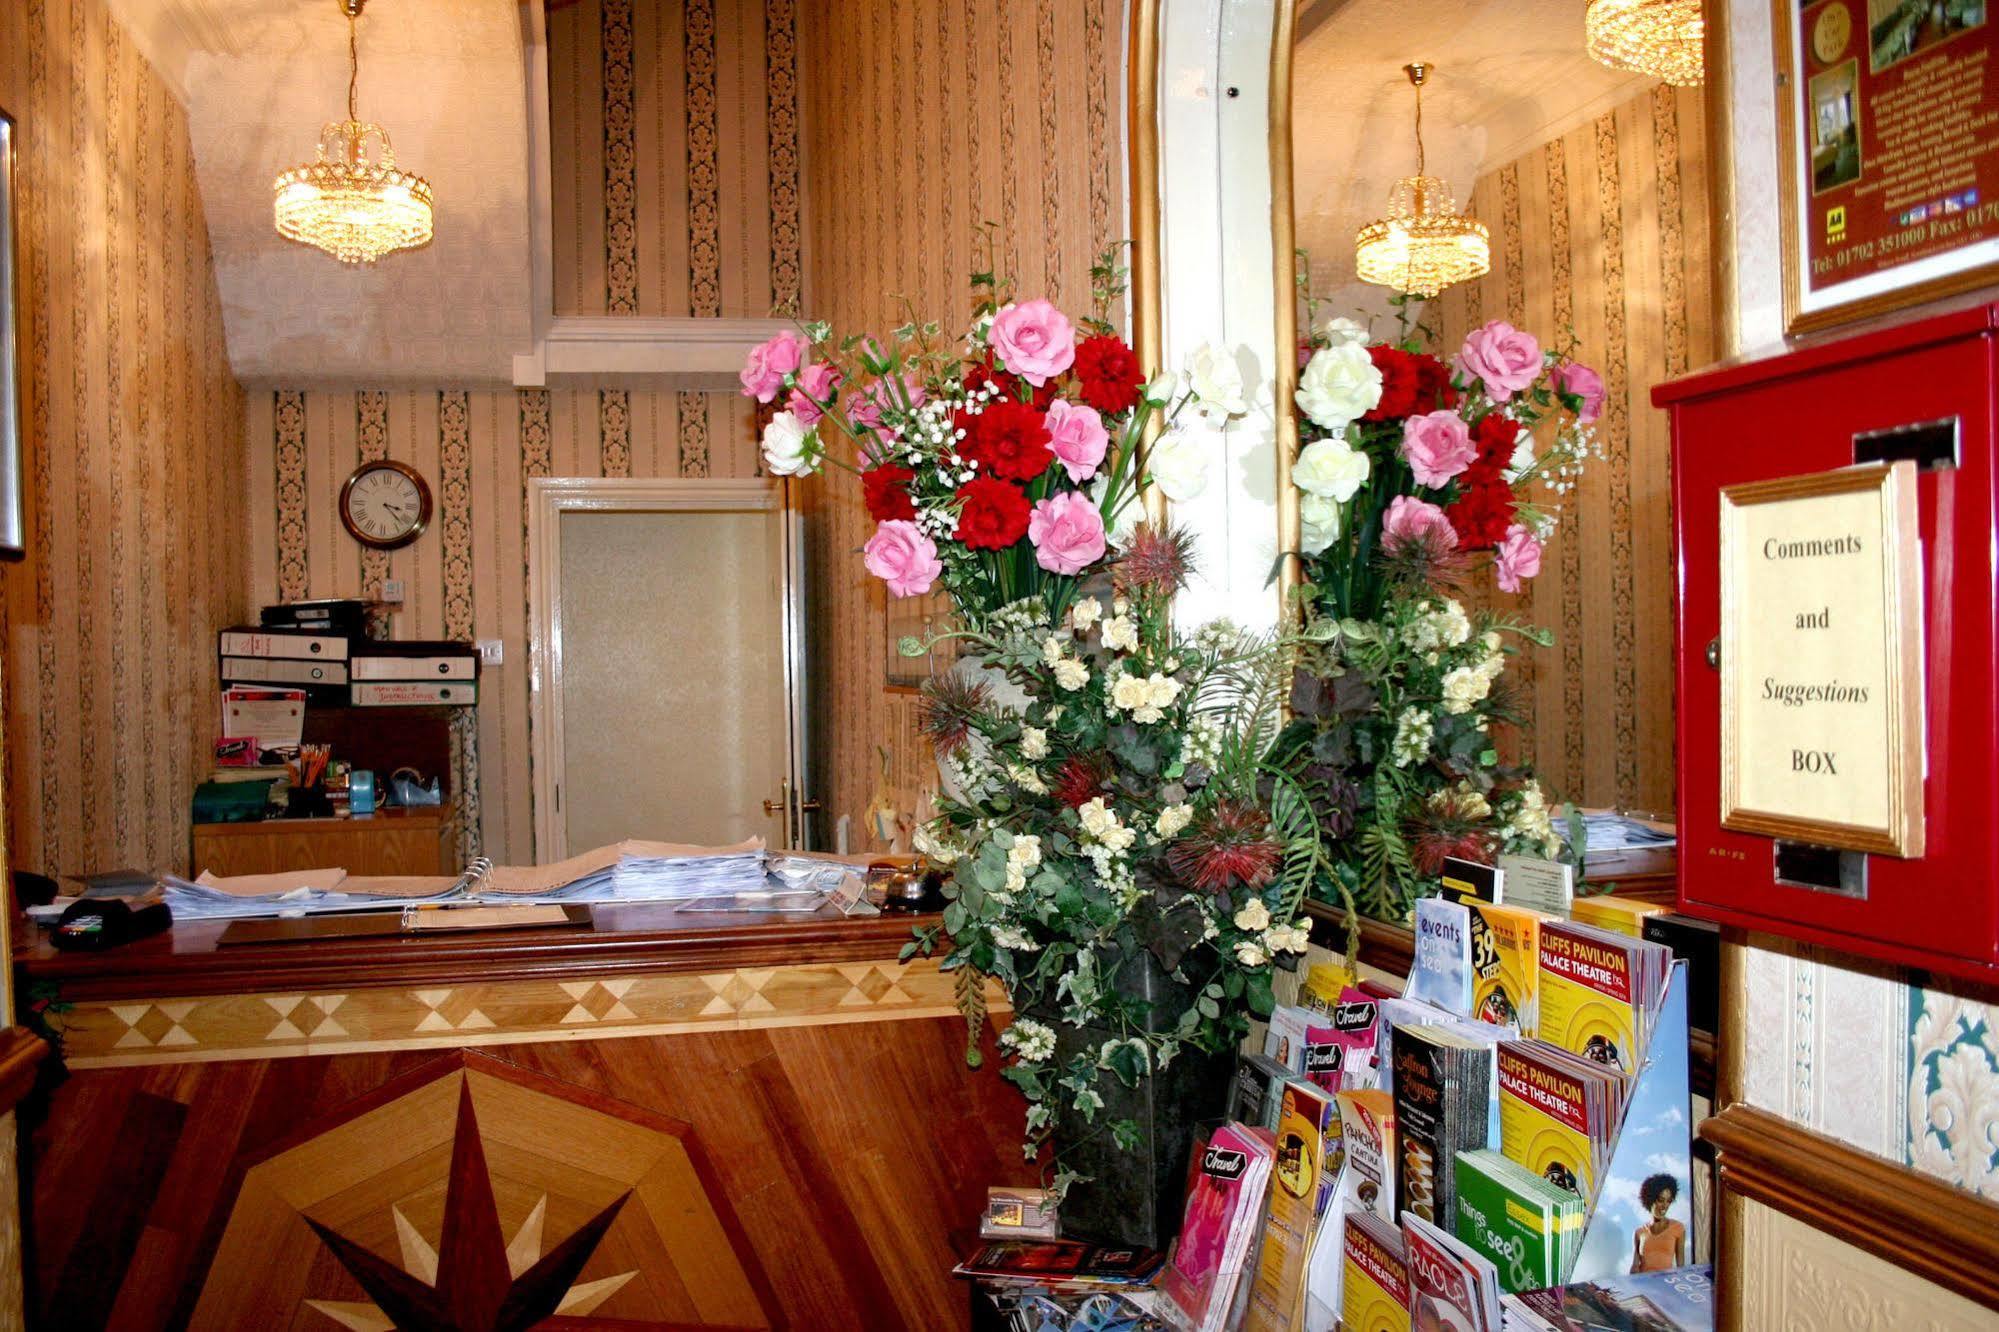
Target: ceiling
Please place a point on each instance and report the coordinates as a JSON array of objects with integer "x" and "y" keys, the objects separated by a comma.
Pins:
[
  {"x": 1506, "y": 77},
  {"x": 445, "y": 77}
]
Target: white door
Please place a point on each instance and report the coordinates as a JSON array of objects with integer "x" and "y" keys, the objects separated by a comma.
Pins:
[{"x": 666, "y": 640}]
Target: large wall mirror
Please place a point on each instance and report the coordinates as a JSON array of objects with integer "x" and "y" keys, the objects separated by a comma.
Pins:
[{"x": 1595, "y": 187}]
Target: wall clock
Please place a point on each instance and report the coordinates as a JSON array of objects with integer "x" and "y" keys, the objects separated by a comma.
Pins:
[{"x": 385, "y": 504}]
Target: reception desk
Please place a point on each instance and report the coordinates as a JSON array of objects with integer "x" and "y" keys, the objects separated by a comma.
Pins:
[{"x": 671, "y": 1118}]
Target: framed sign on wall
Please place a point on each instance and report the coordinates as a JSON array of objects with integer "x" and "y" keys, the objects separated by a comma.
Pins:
[
  {"x": 1888, "y": 138},
  {"x": 1821, "y": 659}
]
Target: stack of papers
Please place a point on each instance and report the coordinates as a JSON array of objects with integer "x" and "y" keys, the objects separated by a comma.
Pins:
[
  {"x": 299, "y": 892},
  {"x": 651, "y": 871}
]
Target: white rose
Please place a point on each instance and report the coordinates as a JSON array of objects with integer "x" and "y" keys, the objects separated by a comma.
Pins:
[
  {"x": 1033, "y": 743},
  {"x": 1464, "y": 687},
  {"x": 1318, "y": 523},
  {"x": 1165, "y": 387},
  {"x": 1071, "y": 674},
  {"x": 1523, "y": 456},
  {"x": 1250, "y": 955},
  {"x": 1097, "y": 817},
  {"x": 1161, "y": 690},
  {"x": 1331, "y": 469},
  {"x": 1172, "y": 819},
  {"x": 1340, "y": 329},
  {"x": 1129, "y": 692},
  {"x": 1339, "y": 386},
  {"x": 1293, "y": 938},
  {"x": 1052, "y": 650},
  {"x": 1253, "y": 917},
  {"x": 1120, "y": 634},
  {"x": 1178, "y": 465},
  {"x": 1085, "y": 613},
  {"x": 1215, "y": 379},
  {"x": 789, "y": 448}
]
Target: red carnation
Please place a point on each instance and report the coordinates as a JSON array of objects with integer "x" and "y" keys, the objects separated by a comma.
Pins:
[
  {"x": 1495, "y": 435},
  {"x": 886, "y": 490},
  {"x": 1433, "y": 384},
  {"x": 1010, "y": 440},
  {"x": 1399, "y": 382},
  {"x": 1109, "y": 374},
  {"x": 994, "y": 515},
  {"x": 1482, "y": 512}
]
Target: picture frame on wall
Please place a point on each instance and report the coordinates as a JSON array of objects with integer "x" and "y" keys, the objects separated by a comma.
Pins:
[
  {"x": 12, "y": 519},
  {"x": 1883, "y": 204}
]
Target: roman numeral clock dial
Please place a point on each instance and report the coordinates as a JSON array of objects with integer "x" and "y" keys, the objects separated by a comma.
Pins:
[{"x": 385, "y": 505}]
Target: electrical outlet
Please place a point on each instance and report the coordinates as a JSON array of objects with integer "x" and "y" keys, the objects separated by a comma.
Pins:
[
  {"x": 392, "y": 590},
  {"x": 490, "y": 651}
]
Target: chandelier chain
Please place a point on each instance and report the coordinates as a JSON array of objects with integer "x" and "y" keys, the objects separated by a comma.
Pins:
[{"x": 353, "y": 60}]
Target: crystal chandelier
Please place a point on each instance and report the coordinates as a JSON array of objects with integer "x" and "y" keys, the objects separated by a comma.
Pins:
[
  {"x": 353, "y": 202},
  {"x": 1424, "y": 244},
  {"x": 1657, "y": 38}
]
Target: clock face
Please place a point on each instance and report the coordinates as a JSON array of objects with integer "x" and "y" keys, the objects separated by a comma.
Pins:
[{"x": 385, "y": 505}]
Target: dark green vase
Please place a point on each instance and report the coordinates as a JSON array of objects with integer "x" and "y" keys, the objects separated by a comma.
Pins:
[{"x": 1134, "y": 1197}]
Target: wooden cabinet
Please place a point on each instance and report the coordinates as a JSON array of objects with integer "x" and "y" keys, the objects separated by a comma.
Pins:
[{"x": 397, "y": 841}]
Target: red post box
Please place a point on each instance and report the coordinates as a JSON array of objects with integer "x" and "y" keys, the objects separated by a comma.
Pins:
[{"x": 1923, "y": 399}]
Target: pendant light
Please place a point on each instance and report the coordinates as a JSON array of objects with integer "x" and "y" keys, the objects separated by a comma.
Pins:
[
  {"x": 1424, "y": 244},
  {"x": 353, "y": 201}
]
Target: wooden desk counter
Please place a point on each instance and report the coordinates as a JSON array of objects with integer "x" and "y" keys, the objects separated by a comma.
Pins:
[
  {"x": 782, "y": 1105},
  {"x": 418, "y": 840}
]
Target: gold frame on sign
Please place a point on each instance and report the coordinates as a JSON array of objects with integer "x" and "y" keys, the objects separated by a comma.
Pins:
[
  {"x": 1785, "y": 36},
  {"x": 1895, "y": 486},
  {"x": 1148, "y": 319}
]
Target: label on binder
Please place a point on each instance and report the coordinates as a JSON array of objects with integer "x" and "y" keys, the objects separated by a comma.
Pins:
[
  {"x": 370, "y": 667},
  {"x": 280, "y": 670},
  {"x": 307, "y": 646},
  {"x": 412, "y": 694}
]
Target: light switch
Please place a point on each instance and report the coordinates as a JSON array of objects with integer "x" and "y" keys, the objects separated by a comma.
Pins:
[
  {"x": 392, "y": 590},
  {"x": 490, "y": 651}
]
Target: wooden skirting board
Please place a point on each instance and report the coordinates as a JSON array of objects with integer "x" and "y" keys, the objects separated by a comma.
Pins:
[{"x": 1942, "y": 1234}]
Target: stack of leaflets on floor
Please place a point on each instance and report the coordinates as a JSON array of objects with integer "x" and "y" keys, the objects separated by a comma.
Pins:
[
  {"x": 1061, "y": 1264},
  {"x": 1451, "y": 1287},
  {"x": 1226, "y": 1182},
  {"x": 1443, "y": 1082},
  {"x": 1374, "y": 1293},
  {"x": 1441, "y": 971},
  {"x": 1531, "y": 1229},
  {"x": 1679, "y": 1299},
  {"x": 1558, "y": 1113},
  {"x": 1505, "y": 964},
  {"x": 1600, "y": 992}
]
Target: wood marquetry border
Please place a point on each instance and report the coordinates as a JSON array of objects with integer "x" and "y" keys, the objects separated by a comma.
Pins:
[
  {"x": 195, "y": 1029},
  {"x": 1942, "y": 1234}
]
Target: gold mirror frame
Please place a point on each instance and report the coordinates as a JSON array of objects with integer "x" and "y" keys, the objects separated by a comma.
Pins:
[{"x": 1283, "y": 226}]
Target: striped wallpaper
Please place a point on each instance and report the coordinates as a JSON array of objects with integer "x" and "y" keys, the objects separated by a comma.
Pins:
[
  {"x": 465, "y": 577},
  {"x": 1605, "y": 231},
  {"x": 917, "y": 132},
  {"x": 133, "y": 454}
]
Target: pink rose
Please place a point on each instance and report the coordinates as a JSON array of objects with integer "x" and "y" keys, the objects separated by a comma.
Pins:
[
  {"x": 1034, "y": 340},
  {"x": 816, "y": 383},
  {"x": 1078, "y": 437},
  {"x": 1502, "y": 357},
  {"x": 901, "y": 556},
  {"x": 1067, "y": 533},
  {"x": 1573, "y": 377},
  {"x": 1518, "y": 557},
  {"x": 763, "y": 373},
  {"x": 1438, "y": 446},
  {"x": 1409, "y": 519}
]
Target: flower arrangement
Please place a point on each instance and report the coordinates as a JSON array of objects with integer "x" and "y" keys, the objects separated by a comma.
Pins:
[
  {"x": 999, "y": 468},
  {"x": 1413, "y": 472},
  {"x": 1111, "y": 810}
]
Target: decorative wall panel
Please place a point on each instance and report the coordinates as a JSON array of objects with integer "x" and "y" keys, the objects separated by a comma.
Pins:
[
  {"x": 133, "y": 454},
  {"x": 463, "y": 578},
  {"x": 1794, "y": 1276},
  {"x": 1604, "y": 230},
  {"x": 675, "y": 130},
  {"x": 894, "y": 216}
]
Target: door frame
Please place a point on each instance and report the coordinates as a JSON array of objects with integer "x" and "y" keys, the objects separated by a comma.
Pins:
[{"x": 549, "y": 498}]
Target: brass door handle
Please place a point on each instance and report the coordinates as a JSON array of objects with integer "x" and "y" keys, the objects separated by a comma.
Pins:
[{"x": 804, "y": 806}]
